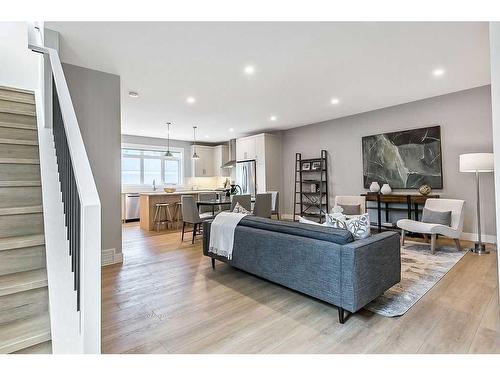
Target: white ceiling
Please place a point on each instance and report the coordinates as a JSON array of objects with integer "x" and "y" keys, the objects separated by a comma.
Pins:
[{"x": 300, "y": 67}]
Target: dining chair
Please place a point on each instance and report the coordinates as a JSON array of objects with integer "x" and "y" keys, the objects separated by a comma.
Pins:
[
  {"x": 190, "y": 215},
  {"x": 263, "y": 205},
  {"x": 275, "y": 203},
  {"x": 206, "y": 197},
  {"x": 245, "y": 201}
]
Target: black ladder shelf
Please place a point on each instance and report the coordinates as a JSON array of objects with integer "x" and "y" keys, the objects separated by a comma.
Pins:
[{"x": 312, "y": 204}]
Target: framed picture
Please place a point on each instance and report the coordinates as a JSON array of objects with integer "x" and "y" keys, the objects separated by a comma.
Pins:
[
  {"x": 316, "y": 166},
  {"x": 306, "y": 166},
  {"x": 405, "y": 159}
]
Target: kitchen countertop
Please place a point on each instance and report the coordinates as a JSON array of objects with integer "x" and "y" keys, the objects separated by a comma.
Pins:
[{"x": 180, "y": 192}]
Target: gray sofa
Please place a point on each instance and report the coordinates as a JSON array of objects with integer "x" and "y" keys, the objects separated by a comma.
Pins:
[{"x": 325, "y": 263}]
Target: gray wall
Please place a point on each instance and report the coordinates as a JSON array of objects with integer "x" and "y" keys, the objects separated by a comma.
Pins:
[
  {"x": 466, "y": 126},
  {"x": 96, "y": 98},
  {"x": 163, "y": 143}
]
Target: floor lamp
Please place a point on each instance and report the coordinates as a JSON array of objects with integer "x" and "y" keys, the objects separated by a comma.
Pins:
[{"x": 477, "y": 163}]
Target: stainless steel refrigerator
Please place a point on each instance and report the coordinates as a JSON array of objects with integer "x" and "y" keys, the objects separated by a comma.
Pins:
[{"x": 246, "y": 177}]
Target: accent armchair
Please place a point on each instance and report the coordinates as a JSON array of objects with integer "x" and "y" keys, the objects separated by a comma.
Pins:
[{"x": 456, "y": 206}]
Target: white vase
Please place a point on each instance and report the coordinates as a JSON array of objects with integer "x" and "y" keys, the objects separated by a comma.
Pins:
[
  {"x": 386, "y": 189},
  {"x": 374, "y": 187}
]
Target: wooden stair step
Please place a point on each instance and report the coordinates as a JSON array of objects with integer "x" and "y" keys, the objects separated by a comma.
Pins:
[
  {"x": 24, "y": 142},
  {"x": 20, "y": 183},
  {"x": 15, "y": 89},
  {"x": 42, "y": 348},
  {"x": 6, "y": 93},
  {"x": 19, "y": 161},
  {"x": 7, "y": 106},
  {"x": 22, "y": 281},
  {"x": 17, "y": 125},
  {"x": 21, "y": 210},
  {"x": 18, "y": 242},
  {"x": 24, "y": 333}
]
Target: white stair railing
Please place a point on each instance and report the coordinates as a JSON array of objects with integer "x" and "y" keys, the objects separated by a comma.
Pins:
[{"x": 82, "y": 217}]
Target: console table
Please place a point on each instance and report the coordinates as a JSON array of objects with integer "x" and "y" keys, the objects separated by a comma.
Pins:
[{"x": 384, "y": 201}]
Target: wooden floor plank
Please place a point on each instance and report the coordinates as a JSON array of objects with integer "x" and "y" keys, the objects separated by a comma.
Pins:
[{"x": 166, "y": 298}]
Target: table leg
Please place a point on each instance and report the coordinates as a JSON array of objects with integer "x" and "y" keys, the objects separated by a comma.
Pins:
[
  {"x": 379, "y": 214},
  {"x": 416, "y": 211}
]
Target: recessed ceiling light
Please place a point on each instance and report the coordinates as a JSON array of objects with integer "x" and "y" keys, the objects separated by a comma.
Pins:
[
  {"x": 190, "y": 100},
  {"x": 438, "y": 72},
  {"x": 133, "y": 94},
  {"x": 249, "y": 69},
  {"x": 231, "y": 129},
  {"x": 273, "y": 118},
  {"x": 335, "y": 101}
]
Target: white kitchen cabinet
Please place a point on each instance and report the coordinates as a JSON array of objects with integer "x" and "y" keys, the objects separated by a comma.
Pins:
[
  {"x": 221, "y": 157},
  {"x": 246, "y": 148},
  {"x": 204, "y": 166},
  {"x": 265, "y": 149}
]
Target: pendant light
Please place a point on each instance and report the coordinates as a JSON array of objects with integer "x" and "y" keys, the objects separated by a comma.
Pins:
[
  {"x": 195, "y": 155},
  {"x": 168, "y": 154}
]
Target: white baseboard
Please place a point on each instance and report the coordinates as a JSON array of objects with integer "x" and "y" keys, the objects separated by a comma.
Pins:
[
  {"x": 110, "y": 256},
  {"x": 488, "y": 238}
]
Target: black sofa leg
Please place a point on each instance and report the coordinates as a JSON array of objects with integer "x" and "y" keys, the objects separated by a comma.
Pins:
[
  {"x": 213, "y": 263},
  {"x": 341, "y": 315}
]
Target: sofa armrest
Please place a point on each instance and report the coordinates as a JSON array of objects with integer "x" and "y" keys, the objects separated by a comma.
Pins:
[{"x": 370, "y": 266}]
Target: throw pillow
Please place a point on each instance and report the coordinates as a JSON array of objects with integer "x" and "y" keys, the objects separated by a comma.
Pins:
[
  {"x": 436, "y": 217},
  {"x": 359, "y": 226},
  {"x": 239, "y": 209},
  {"x": 307, "y": 221},
  {"x": 351, "y": 209}
]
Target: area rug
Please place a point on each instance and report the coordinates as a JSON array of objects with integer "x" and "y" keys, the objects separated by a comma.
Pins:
[{"x": 420, "y": 271}]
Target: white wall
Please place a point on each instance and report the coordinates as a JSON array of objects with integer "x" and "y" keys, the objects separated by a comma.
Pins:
[
  {"x": 495, "y": 107},
  {"x": 19, "y": 67},
  {"x": 465, "y": 119}
]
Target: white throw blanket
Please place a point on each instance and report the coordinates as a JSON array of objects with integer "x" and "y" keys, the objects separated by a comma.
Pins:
[{"x": 222, "y": 233}]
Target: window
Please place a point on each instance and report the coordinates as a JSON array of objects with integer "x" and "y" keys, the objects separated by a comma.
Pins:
[{"x": 143, "y": 164}]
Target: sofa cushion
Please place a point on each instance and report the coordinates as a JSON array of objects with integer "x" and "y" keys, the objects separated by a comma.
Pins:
[{"x": 318, "y": 232}]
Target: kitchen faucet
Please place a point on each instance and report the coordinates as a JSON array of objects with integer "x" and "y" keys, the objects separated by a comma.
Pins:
[{"x": 154, "y": 184}]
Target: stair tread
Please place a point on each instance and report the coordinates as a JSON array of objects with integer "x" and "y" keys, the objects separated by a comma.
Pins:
[
  {"x": 42, "y": 348},
  {"x": 19, "y": 161},
  {"x": 21, "y": 210},
  {"x": 15, "y": 89},
  {"x": 24, "y": 333},
  {"x": 25, "y": 142},
  {"x": 22, "y": 281},
  {"x": 17, "y": 97},
  {"x": 19, "y": 183},
  {"x": 17, "y": 125},
  {"x": 18, "y": 242}
]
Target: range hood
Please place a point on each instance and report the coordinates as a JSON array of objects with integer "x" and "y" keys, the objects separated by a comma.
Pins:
[{"x": 232, "y": 155}]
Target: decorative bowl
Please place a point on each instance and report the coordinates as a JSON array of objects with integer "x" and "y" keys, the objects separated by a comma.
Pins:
[
  {"x": 424, "y": 189},
  {"x": 169, "y": 190}
]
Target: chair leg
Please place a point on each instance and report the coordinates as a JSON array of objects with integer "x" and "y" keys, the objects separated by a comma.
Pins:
[
  {"x": 183, "y": 230},
  {"x": 213, "y": 263},
  {"x": 433, "y": 243},
  {"x": 341, "y": 315},
  {"x": 402, "y": 237},
  {"x": 194, "y": 232},
  {"x": 457, "y": 244},
  {"x": 426, "y": 237}
]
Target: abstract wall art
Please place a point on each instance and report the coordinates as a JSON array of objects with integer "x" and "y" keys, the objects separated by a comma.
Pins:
[{"x": 404, "y": 159}]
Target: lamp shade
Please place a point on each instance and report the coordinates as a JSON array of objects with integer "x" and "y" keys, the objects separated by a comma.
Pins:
[{"x": 477, "y": 162}]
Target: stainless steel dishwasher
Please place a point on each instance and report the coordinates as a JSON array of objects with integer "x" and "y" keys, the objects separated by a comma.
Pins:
[{"x": 131, "y": 206}]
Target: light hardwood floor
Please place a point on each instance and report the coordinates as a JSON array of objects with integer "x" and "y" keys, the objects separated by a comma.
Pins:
[{"x": 165, "y": 298}]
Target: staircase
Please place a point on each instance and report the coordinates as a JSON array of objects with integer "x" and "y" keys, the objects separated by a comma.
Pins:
[{"x": 24, "y": 315}]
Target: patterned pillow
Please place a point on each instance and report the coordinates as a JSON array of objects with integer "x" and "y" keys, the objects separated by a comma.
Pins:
[
  {"x": 239, "y": 209},
  {"x": 359, "y": 226}
]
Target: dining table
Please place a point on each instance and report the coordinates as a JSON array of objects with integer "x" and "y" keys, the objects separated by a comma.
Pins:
[{"x": 223, "y": 202}]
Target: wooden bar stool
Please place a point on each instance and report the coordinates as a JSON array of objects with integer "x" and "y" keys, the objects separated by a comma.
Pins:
[
  {"x": 176, "y": 214},
  {"x": 162, "y": 215}
]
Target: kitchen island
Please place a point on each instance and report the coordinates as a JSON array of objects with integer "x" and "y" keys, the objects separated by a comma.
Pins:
[{"x": 148, "y": 201}]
